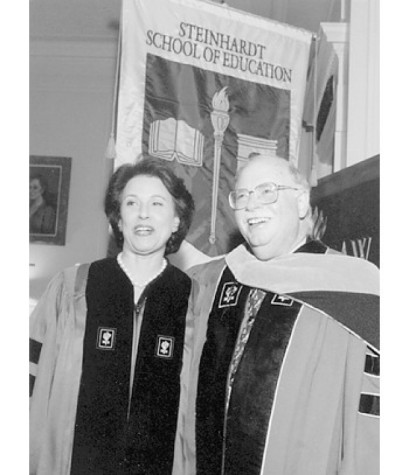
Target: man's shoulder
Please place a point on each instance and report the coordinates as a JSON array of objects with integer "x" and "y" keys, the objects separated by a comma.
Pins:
[
  {"x": 328, "y": 256},
  {"x": 353, "y": 263},
  {"x": 205, "y": 271},
  {"x": 315, "y": 246}
]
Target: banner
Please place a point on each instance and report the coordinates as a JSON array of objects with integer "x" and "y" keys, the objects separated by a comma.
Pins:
[{"x": 202, "y": 86}]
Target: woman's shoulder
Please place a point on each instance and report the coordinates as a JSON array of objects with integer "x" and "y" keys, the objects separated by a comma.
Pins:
[
  {"x": 104, "y": 263},
  {"x": 64, "y": 281},
  {"x": 176, "y": 275},
  {"x": 71, "y": 275}
]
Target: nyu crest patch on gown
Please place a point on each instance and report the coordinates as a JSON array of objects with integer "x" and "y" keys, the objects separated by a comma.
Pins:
[
  {"x": 281, "y": 300},
  {"x": 230, "y": 294},
  {"x": 106, "y": 338},
  {"x": 164, "y": 346}
]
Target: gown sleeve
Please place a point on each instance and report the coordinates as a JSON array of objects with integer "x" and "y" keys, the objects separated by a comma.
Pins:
[
  {"x": 43, "y": 325},
  {"x": 56, "y": 334}
]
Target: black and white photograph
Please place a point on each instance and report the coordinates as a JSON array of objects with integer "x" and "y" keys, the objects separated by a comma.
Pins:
[{"x": 204, "y": 251}]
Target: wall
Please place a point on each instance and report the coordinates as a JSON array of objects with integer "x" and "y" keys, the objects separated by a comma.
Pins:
[
  {"x": 363, "y": 128},
  {"x": 71, "y": 90}
]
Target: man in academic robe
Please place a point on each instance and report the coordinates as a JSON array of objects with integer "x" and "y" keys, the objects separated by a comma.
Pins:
[{"x": 281, "y": 359}]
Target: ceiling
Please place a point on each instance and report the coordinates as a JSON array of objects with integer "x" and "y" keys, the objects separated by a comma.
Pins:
[{"x": 99, "y": 19}]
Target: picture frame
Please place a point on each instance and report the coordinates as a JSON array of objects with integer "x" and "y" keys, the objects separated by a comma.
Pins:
[{"x": 49, "y": 193}]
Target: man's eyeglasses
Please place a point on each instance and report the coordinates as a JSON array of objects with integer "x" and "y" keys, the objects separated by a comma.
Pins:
[{"x": 266, "y": 193}]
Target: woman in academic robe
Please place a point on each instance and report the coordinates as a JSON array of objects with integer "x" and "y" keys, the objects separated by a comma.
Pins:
[{"x": 106, "y": 339}]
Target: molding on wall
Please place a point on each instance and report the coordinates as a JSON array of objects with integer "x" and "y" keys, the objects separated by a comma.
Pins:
[
  {"x": 336, "y": 32},
  {"x": 73, "y": 65},
  {"x": 103, "y": 47}
]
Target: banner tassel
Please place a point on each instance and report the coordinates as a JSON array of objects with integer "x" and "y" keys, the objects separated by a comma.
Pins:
[{"x": 110, "y": 152}]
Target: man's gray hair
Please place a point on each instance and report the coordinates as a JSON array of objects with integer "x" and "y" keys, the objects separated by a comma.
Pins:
[{"x": 296, "y": 175}]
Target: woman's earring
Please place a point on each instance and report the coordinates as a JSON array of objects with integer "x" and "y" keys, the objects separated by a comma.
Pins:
[{"x": 176, "y": 226}]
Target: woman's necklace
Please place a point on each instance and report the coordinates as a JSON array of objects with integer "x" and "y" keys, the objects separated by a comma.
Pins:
[{"x": 139, "y": 284}]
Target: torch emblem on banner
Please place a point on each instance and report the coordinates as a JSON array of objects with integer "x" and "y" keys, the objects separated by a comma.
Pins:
[{"x": 220, "y": 120}]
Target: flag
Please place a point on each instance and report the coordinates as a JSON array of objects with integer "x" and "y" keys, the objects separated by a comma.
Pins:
[
  {"x": 320, "y": 110},
  {"x": 202, "y": 86}
]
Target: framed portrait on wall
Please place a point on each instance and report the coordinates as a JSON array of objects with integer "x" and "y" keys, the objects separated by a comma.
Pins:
[{"x": 49, "y": 191}]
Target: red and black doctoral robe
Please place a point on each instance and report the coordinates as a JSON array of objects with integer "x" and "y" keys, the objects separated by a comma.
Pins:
[{"x": 299, "y": 394}]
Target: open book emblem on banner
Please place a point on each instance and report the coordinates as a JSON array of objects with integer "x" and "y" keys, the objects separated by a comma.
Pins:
[{"x": 172, "y": 139}]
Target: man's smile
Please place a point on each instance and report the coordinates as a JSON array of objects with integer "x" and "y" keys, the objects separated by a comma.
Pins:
[{"x": 257, "y": 221}]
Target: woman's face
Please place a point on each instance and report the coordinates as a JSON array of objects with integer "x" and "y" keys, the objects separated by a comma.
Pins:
[
  {"x": 36, "y": 189},
  {"x": 148, "y": 216}
]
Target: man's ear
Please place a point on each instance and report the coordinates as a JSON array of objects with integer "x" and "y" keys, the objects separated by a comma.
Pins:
[{"x": 303, "y": 202}]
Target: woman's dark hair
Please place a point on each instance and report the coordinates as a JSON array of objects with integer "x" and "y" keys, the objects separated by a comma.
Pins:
[{"x": 149, "y": 166}]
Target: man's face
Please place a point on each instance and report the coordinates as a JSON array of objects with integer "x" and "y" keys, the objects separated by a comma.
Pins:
[{"x": 272, "y": 229}]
